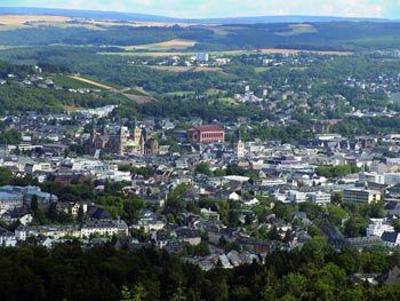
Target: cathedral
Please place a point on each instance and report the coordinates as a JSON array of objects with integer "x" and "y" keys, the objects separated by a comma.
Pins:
[{"x": 120, "y": 141}]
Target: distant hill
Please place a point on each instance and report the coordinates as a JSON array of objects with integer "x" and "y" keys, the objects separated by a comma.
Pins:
[
  {"x": 89, "y": 14},
  {"x": 119, "y": 16}
]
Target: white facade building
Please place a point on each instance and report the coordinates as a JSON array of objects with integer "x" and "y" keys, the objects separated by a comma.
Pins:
[
  {"x": 378, "y": 227},
  {"x": 319, "y": 198}
]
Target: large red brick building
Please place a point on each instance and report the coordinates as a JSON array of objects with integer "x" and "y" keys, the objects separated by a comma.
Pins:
[{"x": 207, "y": 134}]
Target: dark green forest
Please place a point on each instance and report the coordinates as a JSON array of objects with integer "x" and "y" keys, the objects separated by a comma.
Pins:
[
  {"x": 324, "y": 36},
  {"x": 69, "y": 272}
]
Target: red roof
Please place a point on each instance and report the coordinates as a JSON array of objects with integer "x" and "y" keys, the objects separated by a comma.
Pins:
[{"x": 209, "y": 128}]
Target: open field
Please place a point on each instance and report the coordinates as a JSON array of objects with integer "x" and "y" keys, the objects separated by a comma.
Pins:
[
  {"x": 135, "y": 91},
  {"x": 140, "y": 99},
  {"x": 261, "y": 69},
  {"x": 138, "y": 95},
  {"x": 134, "y": 23},
  {"x": 186, "y": 69},
  {"x": 92, "y": 82},
  {"x": 229, "y": 52},
  {"x": 15, "y": 20},
  {"x": 134, "y": 94},
  {"x": 73, "y": 83},
  {"x": 297, "y": 51},
  {"x": 180, "y": 93},
  {"x": 177, "y": 44},
  {"x": 298, "y": 29}
]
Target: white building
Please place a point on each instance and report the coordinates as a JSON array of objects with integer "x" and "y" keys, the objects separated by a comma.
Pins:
[
  {"x": 7, "y": 238},
  {"x": 9, "y": 201},
  {"x": 392, "y": 178},
  {"x": 104, "y": 228},
  {"x": 297, "y": 197},
  {"x": 378, "y": 227},
  {"x": 372, "y": 177},
  {"x": 150, "y": 222},
  {"x": 319, "y": 198},
  {"x": 202, "y": 57}
]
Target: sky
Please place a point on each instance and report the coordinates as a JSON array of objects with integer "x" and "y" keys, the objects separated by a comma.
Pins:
[{"x": 228, "y": 8}]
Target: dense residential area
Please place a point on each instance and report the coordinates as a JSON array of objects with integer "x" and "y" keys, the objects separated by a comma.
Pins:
[{"x": 191, "y": 162}]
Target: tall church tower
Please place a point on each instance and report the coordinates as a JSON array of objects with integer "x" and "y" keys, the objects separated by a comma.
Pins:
[
  {"x": 143, "y": 140},
  {"x": 239, "y": 146},
  {"x": 123, "y": 139},
  {"x": 138, "y": 135}
]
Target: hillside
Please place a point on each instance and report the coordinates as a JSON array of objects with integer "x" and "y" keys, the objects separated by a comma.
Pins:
[
  {"x": 312, "y": 36},
  {"x": 118, "y": 16}
]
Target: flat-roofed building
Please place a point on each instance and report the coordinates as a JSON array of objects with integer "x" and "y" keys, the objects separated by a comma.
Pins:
[
  {"x": 360, "y": 195},
  {"x": 319, "y": 198}
]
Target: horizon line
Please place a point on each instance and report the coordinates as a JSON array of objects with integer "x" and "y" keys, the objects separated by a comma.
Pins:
[{"x": 200, "y": 18}]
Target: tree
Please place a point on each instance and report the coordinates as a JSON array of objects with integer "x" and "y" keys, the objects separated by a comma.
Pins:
[
  {"x": 126, "y": 294},
  {"x": 315, "y": 249},
  {"x": 139, "y": 292},
  {"x": 356, "y": 226},
  {"x": 203, "y": 168},
  {"x": 34, "y": 203},
  {"x": 179, "y": 295},
  {"x": 336, "y": 214},
  {"x": 337, "y": 198},
  {"x": 131, "y": 210},
  {"x": 81, "y": 214},
  {"x": 274, "y": 234},
  {"x": 223, "y": 210},
  {"x": 294, "y": 285},
  {"x": 5, "y": 176},
  {"x": 52, "y": 212}
]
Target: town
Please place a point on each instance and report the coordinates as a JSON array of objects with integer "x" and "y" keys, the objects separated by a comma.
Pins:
[
  {"x": 193, "y": 192},
  {"x": 154, "y": 158}
]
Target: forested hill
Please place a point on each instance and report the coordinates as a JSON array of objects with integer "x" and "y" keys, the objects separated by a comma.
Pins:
[
  {"x": 320, "y": 36},
  {"x": 119, "y": 16},
  {"x": 67, "y": 272}
]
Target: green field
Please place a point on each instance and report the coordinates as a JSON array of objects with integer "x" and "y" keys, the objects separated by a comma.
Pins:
[
  {"x": 180, "y": 93},
  {"x": 261, "y": 69},
  {"x": 70, "y": 83},
  {"x": 135, "y": 91}
]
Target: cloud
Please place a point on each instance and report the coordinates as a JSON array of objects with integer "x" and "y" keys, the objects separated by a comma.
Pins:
[{"x": 223, "y": 8}]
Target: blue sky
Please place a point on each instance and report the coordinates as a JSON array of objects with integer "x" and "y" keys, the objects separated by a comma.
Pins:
[{"x": 224, "y": 8}]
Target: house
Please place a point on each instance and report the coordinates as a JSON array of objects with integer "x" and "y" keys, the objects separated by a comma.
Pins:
[
  {"x": 392, "y": 276},
  {"x": 252, "y": 202},
  {"x": 362, "y": 279},
  {"x": 234, "y": 196},
  {"x": 10, "y": 201},
  {"x": 209, "y": 214},
  {"x": 192, "y": 237},
  {"x": 391, "y": 239},
  {"x": 22, "y": 233},
  {"x": 361, "y": 243},
  {"x": 150, "y": 222},
  {"x": 21, "y": 214},
  {"x": 224, "y": 260},
  {"x": 378, "y": 227},
  {"x": 104, "y": 228},
  {"x": 392, "y": 207},
  {"x": 7, "y": 238}
]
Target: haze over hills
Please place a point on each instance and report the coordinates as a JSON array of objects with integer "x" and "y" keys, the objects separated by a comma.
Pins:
[{"x": 121, "y": 16}]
